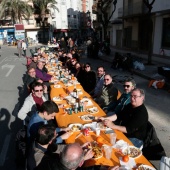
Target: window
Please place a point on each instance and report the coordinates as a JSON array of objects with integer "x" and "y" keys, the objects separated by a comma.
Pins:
[{"x": 166, "y": 33}]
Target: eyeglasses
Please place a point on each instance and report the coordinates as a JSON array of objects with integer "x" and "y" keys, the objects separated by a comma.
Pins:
[
  {"x": 106, "y": 79},
  {"x": 38, "y": 90},
  {"x": 126, "y": 86},
  {"x": 134, "y": 96}
]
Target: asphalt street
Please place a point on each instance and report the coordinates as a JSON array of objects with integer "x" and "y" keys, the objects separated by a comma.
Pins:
[{"x": 12, "y": 94}]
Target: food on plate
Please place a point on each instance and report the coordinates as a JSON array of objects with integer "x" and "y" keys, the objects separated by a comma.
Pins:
[
  {"x": 125, "y": 158},
  {"x": 75, "y": 128},
  {"x": 92, "y": 110},
  {"x": 57, "y": 99},
  {"x": 101, "y": 125},
  {"x": 145, "y": 167},
  {"x": 87, "y": 117},
  {"x": 97, "y": 152},
  {"x": 132, "y": 152}
]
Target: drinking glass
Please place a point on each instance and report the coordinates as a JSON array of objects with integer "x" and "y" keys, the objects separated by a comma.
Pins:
[
  {"x": 97, "y": 131},
  {"x": 108, "y": 151},
  {"x": 113, "y": 138}
]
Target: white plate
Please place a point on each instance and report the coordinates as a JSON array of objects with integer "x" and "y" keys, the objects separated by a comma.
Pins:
[
  {"x": 101, "y": 126},
  {"x": 89, "y": 103},
  {"x": 92, "y": 110},
  {"x": 86, "y": 117},
  {"x": 89, "y": 125},
  {"x": 57, "y": 86},
  {"x": 57, "y": 99},
  {"x": 145, "y": 167},
  {"x": 75, "y": 125},
  {"x": 129, "y": 149}
]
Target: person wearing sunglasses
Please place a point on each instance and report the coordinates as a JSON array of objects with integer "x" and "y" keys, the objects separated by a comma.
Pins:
[
  {"x": 109, "y": 92},
  {"x": 89, "y": 78},
  {"x": 116, "y": 107},
  {"x": 132, "y": 120},
  {"x": 32, "y": 102}
]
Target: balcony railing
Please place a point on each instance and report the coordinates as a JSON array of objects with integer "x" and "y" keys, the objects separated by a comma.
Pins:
[{"x": 133, "y": 9}]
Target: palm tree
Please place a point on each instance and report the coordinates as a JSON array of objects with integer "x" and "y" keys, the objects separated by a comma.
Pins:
[
  {"x": 16, "y": 9},
  {"x": 43, "y": 7}
]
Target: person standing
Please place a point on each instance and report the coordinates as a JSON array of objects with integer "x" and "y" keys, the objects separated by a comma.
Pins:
[
  {"x": 19, "y": 47},
  {"x": 24, "y": 47}
]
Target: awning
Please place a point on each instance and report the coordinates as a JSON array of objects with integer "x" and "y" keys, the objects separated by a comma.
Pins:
[
  {"x": 63, "y": 30},
  {"x": 19, "y": 27}
]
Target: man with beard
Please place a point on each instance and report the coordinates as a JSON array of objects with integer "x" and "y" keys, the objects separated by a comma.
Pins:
[
  {"x": 99, "y": 84},
  {"x": 116, "y": 107},
  {"x": 133, "y": 119}
]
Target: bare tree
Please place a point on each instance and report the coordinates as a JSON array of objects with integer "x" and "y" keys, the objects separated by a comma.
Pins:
[
  {"x": 149, "y": 5},
  {"x": 103, "y": 7}
]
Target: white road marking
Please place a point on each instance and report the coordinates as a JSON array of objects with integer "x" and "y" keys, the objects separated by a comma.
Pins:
[
  {"x": 3, "y": 60},
  {"x": 11, "y": 67},
  {"x": 5, "y": 149}
]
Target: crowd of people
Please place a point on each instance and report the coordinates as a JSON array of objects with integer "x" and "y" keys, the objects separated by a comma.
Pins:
[{"x": 125, "y": 112}]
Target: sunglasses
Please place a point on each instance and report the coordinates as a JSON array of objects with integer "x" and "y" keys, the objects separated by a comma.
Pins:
[
  {"x": 38, "y": 90},
  {"x": 126, "y": 86}
]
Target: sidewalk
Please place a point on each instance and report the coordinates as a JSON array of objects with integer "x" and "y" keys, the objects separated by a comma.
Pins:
[{"x": 150, "y": 70}]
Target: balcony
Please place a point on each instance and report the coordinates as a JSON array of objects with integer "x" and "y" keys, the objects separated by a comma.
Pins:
[
  {"x": 38, "y": 16},
  {"x": 134, "y": 9}
]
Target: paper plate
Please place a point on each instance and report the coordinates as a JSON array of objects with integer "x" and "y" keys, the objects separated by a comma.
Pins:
[
  {"x": 75, "y": 127},
  {"x": 87, "y": 117},
  {"x": 57, "y": 99},
  {"x": 143, "y": 167},
  {"x": 92, "y": 110},
  {"x": 57, "y": 86},
  {"x": 132, "y": 151}
]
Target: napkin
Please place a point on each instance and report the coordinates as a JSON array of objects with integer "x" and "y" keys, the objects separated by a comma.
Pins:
[
  {"x": 128, "y": 165},
  {"x": 120, "y": 144}
]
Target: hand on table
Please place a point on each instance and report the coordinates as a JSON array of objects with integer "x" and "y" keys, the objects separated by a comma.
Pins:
[
  {"x": 108, "y": 123},
  {"x": 66, "y": 135},
  {"x": 88, "y": 154}
]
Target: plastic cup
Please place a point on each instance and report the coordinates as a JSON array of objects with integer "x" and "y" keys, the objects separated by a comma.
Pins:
[
  {"x": 108, "y": 151},
  {"x": 113, "y": 138},
  {"x": 97, "y": 131}
]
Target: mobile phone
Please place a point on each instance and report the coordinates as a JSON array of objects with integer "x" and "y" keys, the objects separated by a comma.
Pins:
[{"x": 109, "y": 131}]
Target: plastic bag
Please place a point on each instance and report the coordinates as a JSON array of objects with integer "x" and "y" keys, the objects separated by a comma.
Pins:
[{"x": 138, "y": 65}]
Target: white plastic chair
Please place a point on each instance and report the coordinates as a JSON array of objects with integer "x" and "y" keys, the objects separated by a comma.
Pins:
[{"x": 164, "y": 163}]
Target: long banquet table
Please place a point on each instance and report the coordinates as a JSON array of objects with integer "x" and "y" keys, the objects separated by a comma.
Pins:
[{"x": 63, "y": 120}]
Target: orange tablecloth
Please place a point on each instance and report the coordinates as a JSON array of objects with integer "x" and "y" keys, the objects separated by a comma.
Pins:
[{"x": 64, "y": 120}]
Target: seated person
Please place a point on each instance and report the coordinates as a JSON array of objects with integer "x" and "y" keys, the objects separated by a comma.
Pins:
[
  {"x": 40, "y": 73},
  {"x": 89, "y": 78},
  {"x": 116, "y": 107},
  {"x": 33, "y": 64},
  {"x": 72, "y": 157},
  {"x": 109, "y": 93},
  {"x": 133, "y": 119},
  {"x": 33, "y": 102},
  {"x": 99, "y": 84},
  {"x": 47, "y": 112},
  {"x": 31, "y": 77},
  {"x": 44, "y": 145}
]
